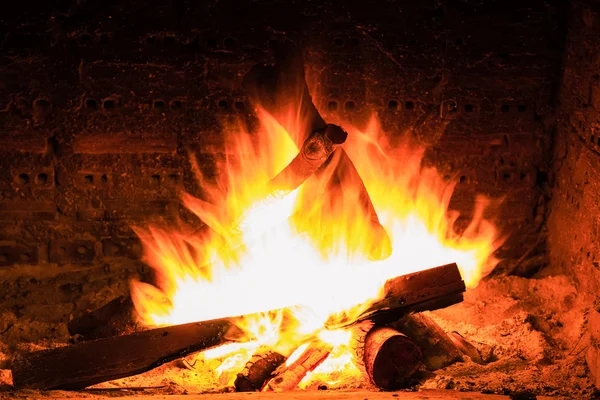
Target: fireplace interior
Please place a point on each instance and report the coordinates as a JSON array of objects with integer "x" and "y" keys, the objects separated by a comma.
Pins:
[{"x": 122, "y": 168}]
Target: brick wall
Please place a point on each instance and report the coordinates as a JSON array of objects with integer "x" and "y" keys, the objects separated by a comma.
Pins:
[
  {"x": 100, "y": 102},
  {"x": 574, "y": 223}
]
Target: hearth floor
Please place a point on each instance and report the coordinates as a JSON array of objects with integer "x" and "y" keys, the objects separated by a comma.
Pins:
[
  {"x": 528, "y": 329},
  {"x": 293, "y": 395}
]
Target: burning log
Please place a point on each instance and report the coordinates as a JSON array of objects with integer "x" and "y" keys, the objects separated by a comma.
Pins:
[
  {"x": 316, "y": 352},
  {"x": 439, "y": 350},
  {"x": 390, "y": 358},
  {"x": 426, "y": 290},
  {"x": 116, "y": 317},
  {"x": 88, "y": 363},
  {"x": 258, "y": 370},
  {"x": 314, "y": 152},
  {"x": 273, "y": 87}
]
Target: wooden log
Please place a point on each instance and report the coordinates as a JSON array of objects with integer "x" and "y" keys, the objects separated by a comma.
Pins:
[
  {"x": 282, "y": 88},
  {"x": 289, "y": 377},
  {"x": 116, "y": 317},
  {"x": 390, "y": 358},
  {"x": 429, "y": 289},
  {"x": 467, "y": 348},
  {"x": 258, "y": 370},
  {"x": 439, "y": 351},
  {"x": 88, "y": 363},
  {"x": 315, "y": 150}
]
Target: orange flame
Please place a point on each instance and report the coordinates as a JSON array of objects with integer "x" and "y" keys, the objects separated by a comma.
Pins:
[{"x": 293, "y": 252}]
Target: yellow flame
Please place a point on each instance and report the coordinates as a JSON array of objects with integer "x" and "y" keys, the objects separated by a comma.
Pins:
[{"x": 304, "y": 252}]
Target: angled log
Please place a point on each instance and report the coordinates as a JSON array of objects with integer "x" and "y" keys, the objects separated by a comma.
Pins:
[
  {"x": 390, "y": 358},
  {"x": 116, "y": 317},
  {"x": 88, "y": 363},
  {"x": 290, "y": 376},
  {"x": 439, "y": 351},
  {"x": 425, "y": 290},
  {"x": 315, "y": 150},
  {"x": 282, "y": 87}
]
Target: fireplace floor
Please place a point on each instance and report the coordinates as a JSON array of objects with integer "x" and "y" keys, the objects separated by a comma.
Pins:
[
  {"x": 294, "y": 395},
  {"x": 529, "y": 329}
]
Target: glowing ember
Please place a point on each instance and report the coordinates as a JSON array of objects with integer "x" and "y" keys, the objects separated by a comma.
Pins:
[{"x": 294, "y": 252}]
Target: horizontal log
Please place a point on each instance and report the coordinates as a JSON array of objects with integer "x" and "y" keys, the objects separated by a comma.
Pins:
[
  {"x": 429, "y": 289},
  {"x": 88, "y": 363}
]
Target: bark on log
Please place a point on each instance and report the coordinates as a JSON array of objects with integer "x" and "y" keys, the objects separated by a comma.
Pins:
[
  {"x": 314, "y": 152},
  {"x": 390, "y": 357},
  {"x": 85, "y": 364},
  {"x": 439, "y": 351},
  {"x": 116, "y": 317},
  {"x": 258, "y": 370},
  {"x": 282, "y": 88},
  {"x": 289, "y": 378},
  {"x": 425, "y": 290}
]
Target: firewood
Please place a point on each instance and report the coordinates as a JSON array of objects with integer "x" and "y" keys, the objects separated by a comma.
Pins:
[
  {"x": 282, "y": 87},
  {"x": 439, "y": 351},
  {"x": 315, "y": 150},
  {"x": 467, "y": 348},
  {"x": 258, "y": 370},
  {"x": 88, "y": 363},
  {"x": 115, "y": 318},
  {"x": 289, "y": 377},
  {"x": 425, "y": 290},
  {"x": 390, "y": 358}
]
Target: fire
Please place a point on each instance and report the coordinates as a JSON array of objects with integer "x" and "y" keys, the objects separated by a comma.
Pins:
[{"x": 294, "y": 252}]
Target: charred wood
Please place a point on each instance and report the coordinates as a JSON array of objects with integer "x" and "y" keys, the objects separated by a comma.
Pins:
[
  {"x": 438, "y": 349},
  {"x": 258, "y": 370},
  {"x": 290, "y": 376},
  {"x": 390, "y": 358},
  {"x": 429, "y": 289},
  {"x": 88, "y": 363},
  {"x": 314, "y": 152},
  {"x": 116, "y": 317}
]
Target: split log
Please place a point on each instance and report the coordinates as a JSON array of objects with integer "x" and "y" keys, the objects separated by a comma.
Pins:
[
  {"x": 88, "y": 363},
  {"x": 282, "y": 88},
  {"x": 439, "y": 351},
  {"x": 425, "y": 290},
  {"x": 116, "y": 317},
  {"x": 290, "y": 376},
  {"x": 390, "y": 358},
  {"x": 258, "y": 370}
]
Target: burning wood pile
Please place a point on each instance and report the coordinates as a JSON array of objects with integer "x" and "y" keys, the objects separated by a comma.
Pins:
[
  {"x": 254, "y": 281},
  {"x": 389, "y": 356}
]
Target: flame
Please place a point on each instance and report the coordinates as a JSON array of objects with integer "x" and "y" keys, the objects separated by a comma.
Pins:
[{"x": 301, "y": 252}]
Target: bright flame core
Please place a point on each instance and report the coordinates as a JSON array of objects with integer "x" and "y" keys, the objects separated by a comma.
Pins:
[{"x": 298, "y": 253}]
